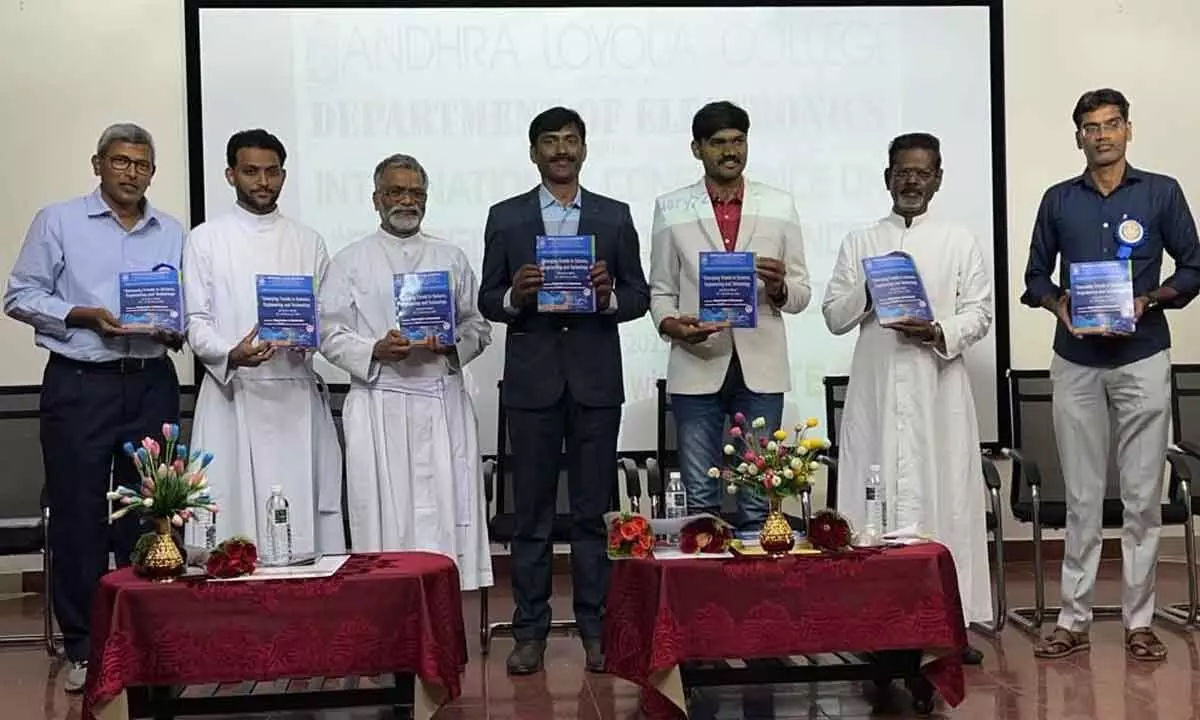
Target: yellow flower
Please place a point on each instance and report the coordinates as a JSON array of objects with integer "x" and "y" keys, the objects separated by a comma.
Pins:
[
  {"x": 781, "y": 435},
  {"x": 812, "y": 443},
  {"x": 812, "y": 422}
]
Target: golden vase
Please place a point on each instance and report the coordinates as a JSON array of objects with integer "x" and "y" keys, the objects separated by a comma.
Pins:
[
  {"x": 776, "y": 538},
  {"x": 163, "y": 561}
]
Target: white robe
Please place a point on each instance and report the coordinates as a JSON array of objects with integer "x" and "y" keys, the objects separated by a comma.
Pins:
[
  {"x": 266, "y": 425},
  {"x": 909, "y": 407},
  {"x": 413, "y": 474}
]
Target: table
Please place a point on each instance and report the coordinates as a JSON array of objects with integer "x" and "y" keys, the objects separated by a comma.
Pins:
[
  {"x": 901, "y": 605},
  {"x": 380, "y": 614}
]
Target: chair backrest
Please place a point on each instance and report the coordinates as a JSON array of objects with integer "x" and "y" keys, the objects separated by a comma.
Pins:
[
  {"x": 21, "y": 448},
  {"x": 1031, "y": 395},
  {"x": 1185, "y": 402},
  {"x": 503, "y": 498},
  {"x": 836, "y": 387},
  {"x": 667, "y": 448}
]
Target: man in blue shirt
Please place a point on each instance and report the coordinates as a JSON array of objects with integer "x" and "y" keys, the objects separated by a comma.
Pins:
[
  {"x": 103, "y": 385},
  {"x": 1111, "y": 212}
]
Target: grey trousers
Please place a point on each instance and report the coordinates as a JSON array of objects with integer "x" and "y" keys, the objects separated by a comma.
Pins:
[{"x": 1138, "y": 397}]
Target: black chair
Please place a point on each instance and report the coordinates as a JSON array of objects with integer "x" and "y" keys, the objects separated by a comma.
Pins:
[
  {"x": 497, "y": 476},
  {"x": 835, "y": 403},
  {"x": 1185, "y": 422},
  {"x": 666, "y": 461},
  {"x": 1038, "y": 496},
  {"x": 25, "y": 524}
]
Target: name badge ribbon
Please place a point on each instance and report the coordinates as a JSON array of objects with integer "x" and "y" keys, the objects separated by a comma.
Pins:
[{"x": 1130, "y": 234}]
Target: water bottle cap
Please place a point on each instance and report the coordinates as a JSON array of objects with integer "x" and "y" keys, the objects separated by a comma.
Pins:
[
  {"x": 875, "y": 468},
  {"x": 276, "y": 489}
]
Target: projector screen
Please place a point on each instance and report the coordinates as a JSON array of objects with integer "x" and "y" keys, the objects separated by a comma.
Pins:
[{"x": 826, "y": 89}]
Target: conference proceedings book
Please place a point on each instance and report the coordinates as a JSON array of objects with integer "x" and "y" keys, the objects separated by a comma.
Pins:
[
  {"x": 287, "y": 310},
  {"x": 728, "y": 289},
  {"x": 1102, "y": 297},
  {"x": 897, "y": 291},
  {"x": 151, "y": 301},
  {"x": 425, "y": 306},
  {"x": 566, "y": 262}
]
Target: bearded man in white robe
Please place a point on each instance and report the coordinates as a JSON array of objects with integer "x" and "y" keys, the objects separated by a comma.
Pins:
[
  {"x": 909, "y": 407},
  {"x": 413, "y": 474},
  {"x": 262, "y": 410}
]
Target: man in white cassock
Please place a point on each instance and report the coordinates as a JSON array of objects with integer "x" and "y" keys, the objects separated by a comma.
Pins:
[
  {"x": 262, "y": 409},
  {"x": 909, "y": 407},
  {"x": 413, "y": 474}
]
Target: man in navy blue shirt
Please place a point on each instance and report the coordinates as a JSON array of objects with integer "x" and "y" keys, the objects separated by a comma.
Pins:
[{"x": 1111, "y": 211}]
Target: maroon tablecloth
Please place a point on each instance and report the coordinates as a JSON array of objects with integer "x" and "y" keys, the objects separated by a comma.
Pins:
[
  {"x": 379, "y": 614},
  {"x": 661, "y": 613}
]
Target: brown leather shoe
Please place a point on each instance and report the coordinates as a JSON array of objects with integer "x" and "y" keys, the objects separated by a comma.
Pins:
[
  {"x": 527, "y": 657},
  {"x": 595, "y": 655}
]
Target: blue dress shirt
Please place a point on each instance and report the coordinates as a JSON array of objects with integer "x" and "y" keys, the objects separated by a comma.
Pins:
[
  {"x": 72, "y": 257},
  {"x": 1078, "y": 224}
]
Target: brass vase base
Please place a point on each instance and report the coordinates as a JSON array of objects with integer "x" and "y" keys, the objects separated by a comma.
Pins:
[
  {"x": 776, "y": 537},
  {"x": 163, "y": 562}
]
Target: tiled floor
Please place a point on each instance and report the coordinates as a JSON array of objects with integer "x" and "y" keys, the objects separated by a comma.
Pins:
[{"x": 1010, "y": 684}]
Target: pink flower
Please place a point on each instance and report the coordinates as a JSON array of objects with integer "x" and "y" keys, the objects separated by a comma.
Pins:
[
  {"x": 735, "y": 431},
  {"x": 767, "y": 481},
  {"x": 166, "y": 430},
  {"x": 761, "y": 463},
  {"x": 151, "y": 446},
  {"x": 749, "y": 456},
  {"x": 762, "y": 442},
  {"x": 739, "y": 419}
]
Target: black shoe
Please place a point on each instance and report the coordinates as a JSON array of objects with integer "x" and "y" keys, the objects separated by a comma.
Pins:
[
  {"x": 595, "y": 655},
  {"x": 971, "y": 656},
  {"x": 526, "y": 658}
]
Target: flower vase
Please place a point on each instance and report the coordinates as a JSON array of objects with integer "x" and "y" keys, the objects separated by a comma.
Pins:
[
  {"x": 163, "y": 561},
  {"x": 775, "y": 538}
]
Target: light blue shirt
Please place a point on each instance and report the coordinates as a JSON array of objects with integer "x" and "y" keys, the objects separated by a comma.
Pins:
[{"x": 72, "y": 257}]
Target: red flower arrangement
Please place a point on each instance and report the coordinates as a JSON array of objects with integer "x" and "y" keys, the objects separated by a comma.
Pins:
[
  {"x": 232, "y": 558},
  {"x": 630, "y": 536},
  {"x": 705, "y": 535},
  {"x": 828, "y": 530}
]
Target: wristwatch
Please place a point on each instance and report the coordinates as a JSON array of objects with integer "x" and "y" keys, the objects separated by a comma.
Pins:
[
  {"x": 937, "y": 335},
  {"x": 1151, "y": 301}
]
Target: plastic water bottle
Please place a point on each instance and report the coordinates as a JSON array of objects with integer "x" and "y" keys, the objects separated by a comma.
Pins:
[
  {"x": 279, "y": 529},
  {"x": 676, "y": 502},
  {"x": 206, "y": 529},
  {"x": 876, "y": 507}
]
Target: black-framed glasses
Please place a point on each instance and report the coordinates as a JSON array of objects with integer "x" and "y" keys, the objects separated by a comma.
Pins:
[
  {"x": 121, "y": 163},
  {"x": 396, "y": 194},
  {"x": 921, "y": 174}
]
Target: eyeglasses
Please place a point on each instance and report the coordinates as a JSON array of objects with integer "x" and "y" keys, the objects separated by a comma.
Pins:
[
  {"x": 396, "y": 194},
  {"x": 1093, "y": 129},
  {"x": 121, "y": 163},
  {"x": 914, "y": 174}
]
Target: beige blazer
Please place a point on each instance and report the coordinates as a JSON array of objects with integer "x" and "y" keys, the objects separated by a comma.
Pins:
[{"x": 685, "y": 225}]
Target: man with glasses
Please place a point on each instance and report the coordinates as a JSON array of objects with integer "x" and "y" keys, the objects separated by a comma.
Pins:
[
  {"x": 104, "y": 384},
  {"x": 413, "y": 478},
  {"x": 909, "y": 408},
  {"x": 1111, "y": 211}
]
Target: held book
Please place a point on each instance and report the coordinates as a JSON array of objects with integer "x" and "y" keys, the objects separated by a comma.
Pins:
[
  {"x": 425, "y": 306},
  {"x": 287, "y": 310},
  {"x": 152, "y": 301},
  {"x": 897, "y": 291},
  {"x": 566, "y": 262},
  {"x": 1102, "y": 297},
  {"x": 728, "y": 289}
]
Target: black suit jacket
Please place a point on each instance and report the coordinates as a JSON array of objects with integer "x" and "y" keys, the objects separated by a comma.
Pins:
[{"x": 546, "y": 353}]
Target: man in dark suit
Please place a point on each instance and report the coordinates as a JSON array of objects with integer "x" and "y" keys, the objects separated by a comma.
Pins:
[{"x": 562, "y": 379}]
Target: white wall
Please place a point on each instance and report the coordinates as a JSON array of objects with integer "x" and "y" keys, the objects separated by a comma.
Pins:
[{"x": 68, "y": 68}]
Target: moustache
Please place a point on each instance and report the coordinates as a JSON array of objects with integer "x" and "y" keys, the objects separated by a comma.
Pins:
[
  {"x": 559, "y": 158},
  {"x": 730, "y": 158}
]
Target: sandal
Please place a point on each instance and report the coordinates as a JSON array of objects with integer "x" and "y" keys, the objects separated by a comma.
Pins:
[
  {"x": 1060, "y": 643},
  {"x": 1142, "y": 644}
]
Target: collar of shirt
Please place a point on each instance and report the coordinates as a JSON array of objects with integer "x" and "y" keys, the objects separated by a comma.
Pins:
[
  {"x": 1132, "y": 175},
  {"x": 548, "y": 200},
  {"x": 96, "y": 207},
  {"x": 715, "y": 194},
  {"x": 899, "y": 220},
  {"x": 254, "y": 220}
]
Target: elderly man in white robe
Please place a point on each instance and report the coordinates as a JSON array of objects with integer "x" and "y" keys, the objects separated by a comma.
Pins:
[
  {"x": 262, "y": 410},
  {"x": 909, "y": 407},
  {"x": 413, "y": 474}
]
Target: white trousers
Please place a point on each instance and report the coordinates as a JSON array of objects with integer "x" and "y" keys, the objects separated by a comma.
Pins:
[{"x": 1089, "y": 405}]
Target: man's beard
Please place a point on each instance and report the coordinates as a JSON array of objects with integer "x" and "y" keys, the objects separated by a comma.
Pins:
[
  {"x": 248, "y": 200},
  {"x": 404, "y": 221}
]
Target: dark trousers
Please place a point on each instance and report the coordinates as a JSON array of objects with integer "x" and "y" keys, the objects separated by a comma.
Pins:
[
  {"x": 536, "y": 438},
  {"x": 89, "y": 410}
]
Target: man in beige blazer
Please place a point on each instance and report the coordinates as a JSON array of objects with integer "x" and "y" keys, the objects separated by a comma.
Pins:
[{"x": 715, "y": 372}]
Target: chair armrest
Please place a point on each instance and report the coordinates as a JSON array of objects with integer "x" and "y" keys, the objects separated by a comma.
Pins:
[
  {"x": 1189, "y": 447},
  {"x": 489, "y": 479},
  {"x": 991, "y": 476},
  {"x": 1184, "y": 471},
  {"x": 633, "y": 479},
  {"x": 1029, "y": 469},
  {"x": 654, "y": 478},
  {"x": 828, "y": 457}
]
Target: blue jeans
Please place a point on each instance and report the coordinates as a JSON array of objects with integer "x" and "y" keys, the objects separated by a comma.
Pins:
[{"x": 700, "y": 421}]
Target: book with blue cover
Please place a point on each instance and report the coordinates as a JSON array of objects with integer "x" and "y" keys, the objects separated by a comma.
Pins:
[
  {"x": 425, "y": 306},
  {"x": 1102, "y": 297},
  {"x": 152, "y": 301},
  {"x": 728, "y": 289},
  {"x": 897, "y": 291},
  {"x": 566, "y": 262},
  {"x": 287, "y": 310}
]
